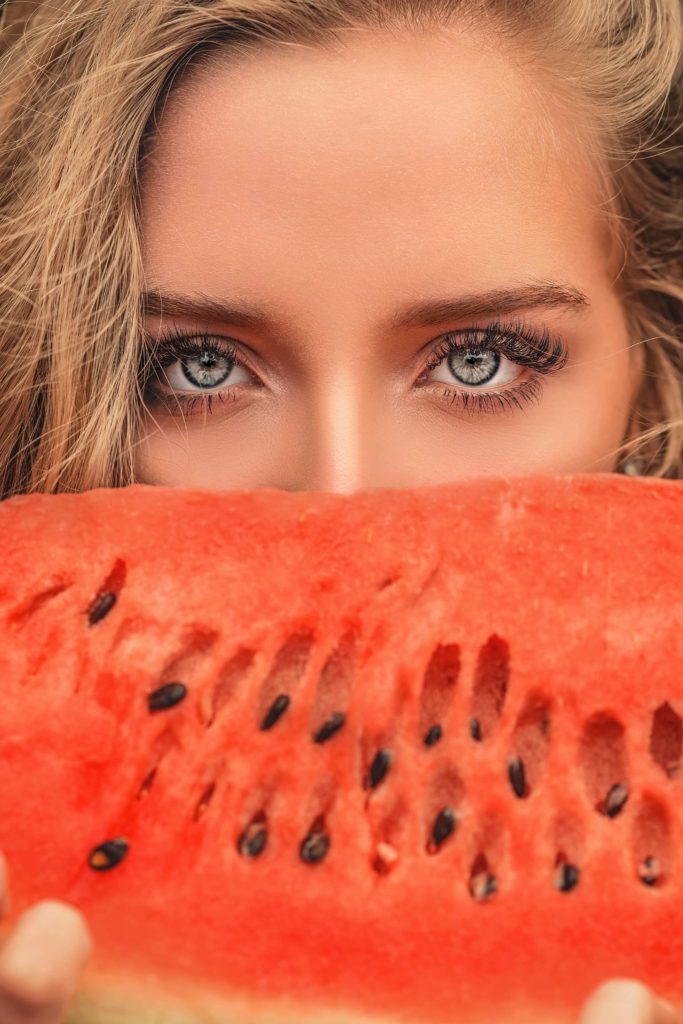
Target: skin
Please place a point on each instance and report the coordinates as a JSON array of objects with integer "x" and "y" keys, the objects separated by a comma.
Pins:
[{"x": 335, "y": 188}]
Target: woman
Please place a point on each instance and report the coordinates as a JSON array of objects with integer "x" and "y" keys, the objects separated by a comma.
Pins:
[{"x": 333, "y": 245}]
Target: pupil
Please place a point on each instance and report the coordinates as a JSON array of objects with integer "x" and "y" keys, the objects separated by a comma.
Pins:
[
  {"x": 204, "y": 364},
  {"x": 478, "y": 367}
]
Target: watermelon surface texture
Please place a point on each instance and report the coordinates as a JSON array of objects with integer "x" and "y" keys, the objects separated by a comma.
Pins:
[{"x": 402, "y": 755}]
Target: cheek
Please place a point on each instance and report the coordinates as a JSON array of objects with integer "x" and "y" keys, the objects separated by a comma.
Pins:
[
  {"x": 591, "y": 410},
  {"x": 575, "y": 429},
  {"x": 243, "y": 451}
]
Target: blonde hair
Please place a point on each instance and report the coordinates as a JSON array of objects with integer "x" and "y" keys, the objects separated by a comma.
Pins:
[{"x": 81, "y": 82}]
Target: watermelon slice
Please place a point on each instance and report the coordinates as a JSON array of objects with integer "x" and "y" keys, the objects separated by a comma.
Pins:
[{"x": 407, "y": 755}]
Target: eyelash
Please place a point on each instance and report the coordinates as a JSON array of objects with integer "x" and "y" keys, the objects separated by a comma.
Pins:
[{"x": 541, "y": 352}]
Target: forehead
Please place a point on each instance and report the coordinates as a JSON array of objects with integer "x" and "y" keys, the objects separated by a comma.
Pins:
[{"x": 391, "y": 151}]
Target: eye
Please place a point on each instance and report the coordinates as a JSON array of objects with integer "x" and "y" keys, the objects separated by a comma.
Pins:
[
  {"x": 182, "y": 372},
  {"x": 204, "y": 369},
  {"x": 469, "y": 367},
  {"x": 480, "y": 366}
]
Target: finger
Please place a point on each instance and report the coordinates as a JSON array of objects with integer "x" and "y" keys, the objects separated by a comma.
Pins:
[
  {"x": 628, "y": 1002},
  {"x": 41, "y": 961}
]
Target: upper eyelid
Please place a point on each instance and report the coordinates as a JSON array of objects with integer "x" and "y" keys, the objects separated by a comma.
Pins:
[
  {"x": 167, "y": 339},
  {"x": 172, "y": 330},
  {"x": 162, "y": 340}
]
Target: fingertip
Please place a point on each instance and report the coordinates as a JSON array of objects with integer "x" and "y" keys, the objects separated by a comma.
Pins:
[
  {"x": 628, "y": 1002},
  {"x": 44, "y": 955},
  {"x": 619, "y": 999},
  {"x": 66, "y": 915},
  {"x": 68, "y": 919}
]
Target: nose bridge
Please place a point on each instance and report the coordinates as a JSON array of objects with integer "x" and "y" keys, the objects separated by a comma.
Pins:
[{"x": 340, "y": 438}]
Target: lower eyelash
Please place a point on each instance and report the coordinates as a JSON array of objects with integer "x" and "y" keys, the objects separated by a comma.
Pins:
[
  {"x": 526, "y": 393},
  {"x": 187, "y": 403},
  {"x": 471, "y": 402}
]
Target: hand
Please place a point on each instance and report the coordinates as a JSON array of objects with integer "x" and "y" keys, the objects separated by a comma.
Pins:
[
  {"x": 40, "y": 960},
  {"x": 621, "y": 1001}
]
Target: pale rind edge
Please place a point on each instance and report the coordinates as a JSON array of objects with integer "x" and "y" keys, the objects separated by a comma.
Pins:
[{"x": 108, "y": 1003}]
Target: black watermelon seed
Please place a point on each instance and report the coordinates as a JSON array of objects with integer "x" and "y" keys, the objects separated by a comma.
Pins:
[
  {"x": 314, "y": 847},
  {"x": 108, "y": 855},
  {"x": 275, "y": 711},
  {"x": 649, "y": 871},
  {"x": 568, "y": 878},
  {"x": 378, "y": 768},
  {"x": 101, "y": 606},
  {"x": 253, "y": 840},
  {"x": 483, "y": 886},
  {"x": 433, "y": 736},
  {"x": 475, "y": 729},
  {"x": 443, "y": 827},
  {"x": 330, "y": 727},
  {"x": 167, "y": 696},
  {"x": 517, "y": 778},
  {"x": 614, "y": 801}
]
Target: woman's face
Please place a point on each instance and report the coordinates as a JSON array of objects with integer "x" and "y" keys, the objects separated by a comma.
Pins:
[{"x": 323, "y": 224}]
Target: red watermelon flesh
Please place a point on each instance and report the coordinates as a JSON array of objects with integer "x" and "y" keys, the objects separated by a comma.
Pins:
[{"x": 407, "y": 755}]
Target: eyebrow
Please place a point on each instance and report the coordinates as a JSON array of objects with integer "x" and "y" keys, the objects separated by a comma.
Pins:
[{"x": 433, "y": 312}]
